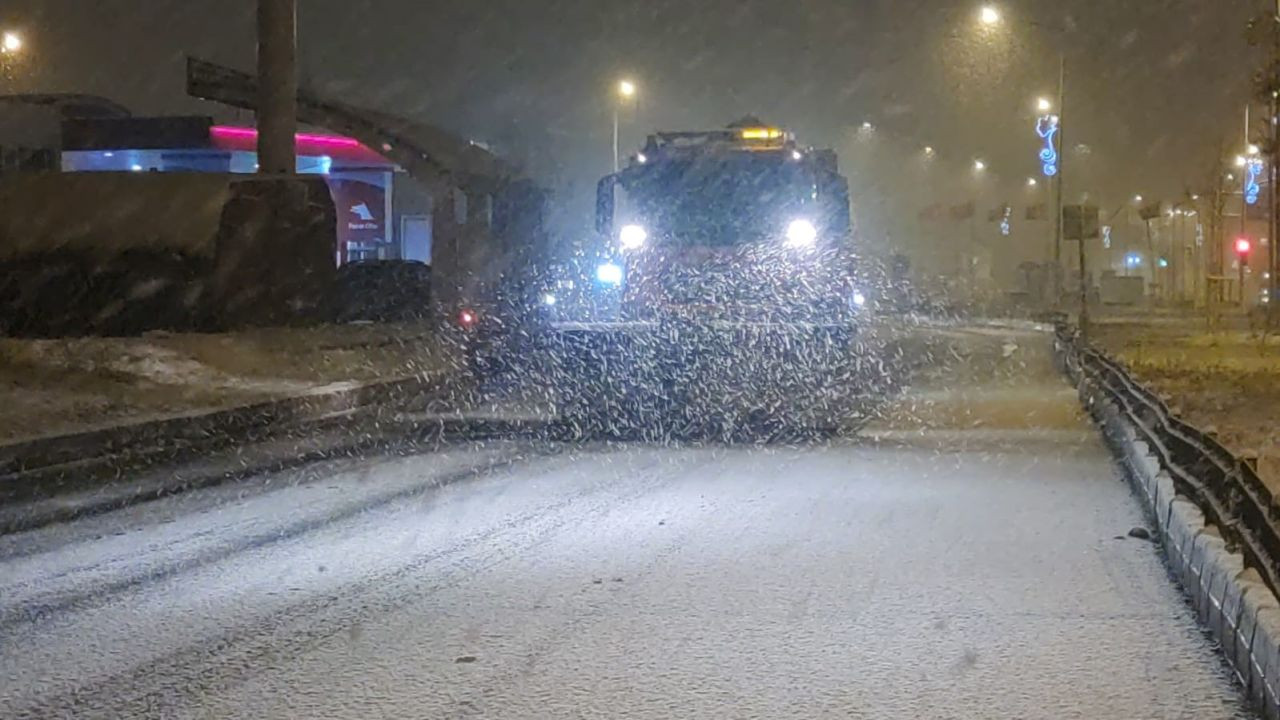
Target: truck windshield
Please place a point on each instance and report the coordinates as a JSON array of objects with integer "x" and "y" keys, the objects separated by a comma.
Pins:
[{"x": 719, "y": 200}]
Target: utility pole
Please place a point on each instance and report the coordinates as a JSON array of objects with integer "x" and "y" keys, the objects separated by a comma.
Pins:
[
  {"x": 1062, "y": 165},
  {"x": 277, "y": 86},
  {"x": 1273, "y": 258}
]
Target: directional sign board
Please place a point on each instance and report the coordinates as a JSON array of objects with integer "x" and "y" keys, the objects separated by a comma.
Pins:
[{"x": 1079, "y": 222}]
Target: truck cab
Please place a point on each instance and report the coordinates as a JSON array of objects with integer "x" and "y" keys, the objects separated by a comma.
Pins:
[{"x": 734, "y": 225}]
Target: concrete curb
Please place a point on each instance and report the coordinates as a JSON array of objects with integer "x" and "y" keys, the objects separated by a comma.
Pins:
[
  {"x": 67, "y": 463},
  {"x": 1230, "y": 600}
]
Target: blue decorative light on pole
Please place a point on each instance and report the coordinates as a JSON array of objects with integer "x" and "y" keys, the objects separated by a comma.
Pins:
[
  {"x": 1047, "y": 129},
  {"x": 1253, "y": 170}
]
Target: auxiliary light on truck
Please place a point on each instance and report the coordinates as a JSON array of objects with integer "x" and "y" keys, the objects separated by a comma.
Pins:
[{"x": 609, "y": 274}]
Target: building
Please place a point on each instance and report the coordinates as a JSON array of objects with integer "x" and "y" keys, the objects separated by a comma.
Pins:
[{"x": 382, "y": 214}]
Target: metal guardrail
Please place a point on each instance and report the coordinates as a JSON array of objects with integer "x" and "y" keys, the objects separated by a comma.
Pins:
[{"x": 1225, "y": 488}]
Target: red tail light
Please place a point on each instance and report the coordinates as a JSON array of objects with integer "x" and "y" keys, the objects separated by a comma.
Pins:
[{"x": 467, "y": 318}]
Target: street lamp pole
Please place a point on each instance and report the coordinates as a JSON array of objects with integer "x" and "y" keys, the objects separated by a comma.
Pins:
[
  {"x": 1062, "y": 162},
  {"x": 616, "y": 162},
  {"x": 626, "y": 91}
]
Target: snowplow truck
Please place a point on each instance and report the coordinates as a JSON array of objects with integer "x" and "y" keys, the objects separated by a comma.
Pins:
[{"x": 727, "y": 257}]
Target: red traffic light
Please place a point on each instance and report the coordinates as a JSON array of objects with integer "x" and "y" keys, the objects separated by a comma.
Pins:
[{"x": 1243, "y": 246}]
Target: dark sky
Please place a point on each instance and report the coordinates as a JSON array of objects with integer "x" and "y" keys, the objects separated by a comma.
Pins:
[{"x": 1153, "y": 85}]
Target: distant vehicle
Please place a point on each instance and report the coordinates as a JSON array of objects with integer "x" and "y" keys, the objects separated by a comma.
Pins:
[{"x": 736, "y": 299}]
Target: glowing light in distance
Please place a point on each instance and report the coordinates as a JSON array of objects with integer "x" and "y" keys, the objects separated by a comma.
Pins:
[
  {"x": 641, "y": 158},
  {"x": 548, "y": 299},
  {"x": 12, "y": 42},
  {"x": 761, "y": 134},
  {"x": 979, "y": 165},
  {"x": 626, "y": 88},
  {"x": 1032, "y": 182},
  {"x": 859, "y": 299},
  {"x": 1044, "y": 105},
  {"x": 989, "y": 15}
]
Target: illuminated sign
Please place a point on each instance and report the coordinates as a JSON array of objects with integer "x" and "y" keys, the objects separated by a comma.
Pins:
[
  {"x": 1047, "y": 129},
  {"x": 1253, "y": 169}
]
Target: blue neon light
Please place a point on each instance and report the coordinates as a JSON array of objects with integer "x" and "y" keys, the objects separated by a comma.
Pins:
[
  {"x": 1047, "y": 129},
  {"x": 1253, "y": 169}
]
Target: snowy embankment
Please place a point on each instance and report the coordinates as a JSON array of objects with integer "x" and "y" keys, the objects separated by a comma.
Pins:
[
  {"x": 58, "y": 386},
  {"x": 1224, "y": 382}
]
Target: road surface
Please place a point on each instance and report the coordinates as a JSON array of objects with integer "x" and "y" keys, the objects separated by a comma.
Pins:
[{"x": 960, "y": 559}]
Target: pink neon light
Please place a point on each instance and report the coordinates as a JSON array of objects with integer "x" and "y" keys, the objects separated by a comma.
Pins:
[
  {"x": 230, "y": 131},
  {"x": 339, "y": 147}
]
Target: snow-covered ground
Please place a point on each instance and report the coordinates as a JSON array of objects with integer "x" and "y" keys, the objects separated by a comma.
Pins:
[
  {"x": 62, "y": 385},
  {"x": 961, "y": 560},
  {"x": 1227, "y": 381}
]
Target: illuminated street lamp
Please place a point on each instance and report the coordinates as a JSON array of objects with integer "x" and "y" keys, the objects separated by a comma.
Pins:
[
  {"x": 989, "y": 15},
  {"x": 626, "y": 91},
  {"x": 1044, "y": 105},
  {"x": 11, "y": 42},
  {"x": 979, "y": 165},
  {"x": 1137, "y": 198},
  {"x": 1032, "y": 182}
]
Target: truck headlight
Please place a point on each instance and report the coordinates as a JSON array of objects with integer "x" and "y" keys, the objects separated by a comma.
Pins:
[
  {"x": 801, "y": 234},
  {"x": 632, "y": 237}
]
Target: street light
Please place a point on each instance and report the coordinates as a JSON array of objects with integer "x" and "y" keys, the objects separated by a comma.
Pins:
[
  {"x": 979, "y": 165},
  {"x": 1044, "y": 105},
  {"x": 1137, "y": 198},
  {"x": 11, "y": 42},
  {"x": 989, "y": 15},
  {"x": 1032, "y": 182},
  {"x": 626, "y": 91}
]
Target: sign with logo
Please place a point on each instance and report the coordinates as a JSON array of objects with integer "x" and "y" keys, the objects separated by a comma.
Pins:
[{"x": 362, "y": 213}]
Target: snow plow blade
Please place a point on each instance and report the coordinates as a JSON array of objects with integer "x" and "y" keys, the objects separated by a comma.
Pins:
[{"x": 681, "y": 381}]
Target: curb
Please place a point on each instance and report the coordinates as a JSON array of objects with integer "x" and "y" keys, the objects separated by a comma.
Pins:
[
  {"x": 1231, "y": 601},
  {"x": 51, "y": 466}
]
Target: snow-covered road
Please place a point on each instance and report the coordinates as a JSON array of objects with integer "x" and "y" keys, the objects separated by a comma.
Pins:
[{"x": 959, "y": 560}]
